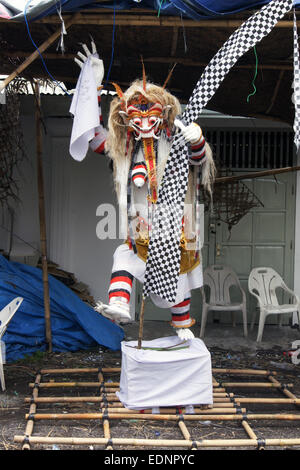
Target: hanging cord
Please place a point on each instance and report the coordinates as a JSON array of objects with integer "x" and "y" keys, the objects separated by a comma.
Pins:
[
  {"x": 160, "y": 5},
  {"x": 184, "y": 35},
  {"x": 61, "y": 44},
  {"x": 255, "y": 75},
  {"x": 112, "y": 46},
  {"x": 42, "y": 59}
]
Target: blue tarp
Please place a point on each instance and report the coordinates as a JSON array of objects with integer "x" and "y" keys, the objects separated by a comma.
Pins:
[
  {"x": 75, "y": 326},
  {"x": 194, "y": 9}
]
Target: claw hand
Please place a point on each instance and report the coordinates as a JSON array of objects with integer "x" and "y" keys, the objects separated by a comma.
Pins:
[
  {"x": 97, "y": 64},
  {"x": 191, "y": 134}
]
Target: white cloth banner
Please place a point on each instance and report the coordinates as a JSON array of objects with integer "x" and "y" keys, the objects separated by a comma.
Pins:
[
  {"x": 85, "y": 110},
  {"x": 175, "y": 377}
]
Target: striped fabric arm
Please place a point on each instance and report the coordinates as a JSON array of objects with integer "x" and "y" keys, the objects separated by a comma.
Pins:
[
  {"x": 197, "y": 153},
  {"x": 98, "y": 142}
]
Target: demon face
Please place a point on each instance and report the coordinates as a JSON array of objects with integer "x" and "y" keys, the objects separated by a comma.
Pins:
[{"x": 144, "y": 119}]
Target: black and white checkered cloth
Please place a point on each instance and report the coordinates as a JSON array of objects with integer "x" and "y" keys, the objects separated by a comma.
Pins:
[
  {"x": 296, "y": 86},
  {"x": 163, "y": 261}
]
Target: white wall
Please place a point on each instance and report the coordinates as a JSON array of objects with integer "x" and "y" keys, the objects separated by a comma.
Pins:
[{"x": 73, "y": 191}]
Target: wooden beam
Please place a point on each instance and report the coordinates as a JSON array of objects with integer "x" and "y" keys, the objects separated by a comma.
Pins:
[
  {"x": 42, "y": 215},
  {"x": 107, "y": 19},
  {"x": 35, "y": 54},
  {"x": 256, "y": 174},
  {"x": 160, "y": 60}
]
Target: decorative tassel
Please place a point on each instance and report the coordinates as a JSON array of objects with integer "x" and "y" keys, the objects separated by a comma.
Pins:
[
  {"x": 139, "y": 174},
  {"x": 144, "y": 74},
  {"x": 169, "y": 76},
  {"x": 61, "y": 44}
]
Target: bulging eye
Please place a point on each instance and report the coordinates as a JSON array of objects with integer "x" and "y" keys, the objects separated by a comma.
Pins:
[
  {"x": 137, "y": 122},
  {"x": 152, "y": 120}
]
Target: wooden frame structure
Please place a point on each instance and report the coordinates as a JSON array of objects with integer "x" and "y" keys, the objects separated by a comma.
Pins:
[{"x": 226, "y": 407}]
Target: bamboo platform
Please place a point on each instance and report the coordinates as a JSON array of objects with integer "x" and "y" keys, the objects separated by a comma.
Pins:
[{"x": 227, "y": 406}]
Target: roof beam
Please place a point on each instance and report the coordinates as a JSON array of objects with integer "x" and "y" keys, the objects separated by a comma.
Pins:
[
  {"x": 122, "y": 19},
  {"x": 162, "y": 60},
  {"x": 35, "y": 54}
]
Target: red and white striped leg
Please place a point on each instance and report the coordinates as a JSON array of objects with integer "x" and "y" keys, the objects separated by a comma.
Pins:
[
  {"x": 181, "y": 319},
  {"x": 119, "y": 297}
]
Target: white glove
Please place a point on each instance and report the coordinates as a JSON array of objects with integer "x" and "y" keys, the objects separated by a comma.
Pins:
[
  {"x": 191, "y": 134},
  {"x": 97, "y": 64}
]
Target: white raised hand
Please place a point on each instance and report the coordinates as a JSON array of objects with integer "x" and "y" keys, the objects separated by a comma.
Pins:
[
  {"x": 97, "y": 64},
  {"x": 191, "y": 134}
]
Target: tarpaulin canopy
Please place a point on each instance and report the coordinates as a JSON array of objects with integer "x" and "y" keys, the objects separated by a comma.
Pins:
[
  {"x": 193, "y": 9},
  {"x": 75, "y": 325}
]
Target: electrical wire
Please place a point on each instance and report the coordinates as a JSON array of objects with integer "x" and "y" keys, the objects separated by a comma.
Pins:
[
  {"x": 42, "y": 59},
  {"x": 255, "y": 75},
  {"x": 112, "y": 47}
]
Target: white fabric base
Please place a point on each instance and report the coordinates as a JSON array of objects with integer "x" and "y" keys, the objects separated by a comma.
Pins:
[
  {"x": 151, "y": 378},
  {"x": 126, "y": 259}
]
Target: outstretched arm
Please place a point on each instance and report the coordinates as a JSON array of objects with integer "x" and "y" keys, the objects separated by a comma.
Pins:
[
  {"x": 192, "y": 134},
  {"x": 98, "y": 142},
  {"x": 97, "y": 64}
]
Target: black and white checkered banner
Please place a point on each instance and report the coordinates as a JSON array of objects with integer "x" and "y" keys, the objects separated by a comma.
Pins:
[
  {"x": 296, "y": 86},
  {"x": 163, "y": 261}
]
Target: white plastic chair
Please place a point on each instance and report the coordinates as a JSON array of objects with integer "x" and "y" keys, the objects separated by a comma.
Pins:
[
  {"x": 220, "y": 279},
  {"x": 6, "y": 315},
  {"x": 263, "y": 283}
]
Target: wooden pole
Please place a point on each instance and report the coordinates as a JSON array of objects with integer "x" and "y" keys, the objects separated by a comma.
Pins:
[
  {"x": 128, "y": 19},
  {"x": 35, "y": 54},
  {"x": 118, "y": 369},
  {"x": 42, "y": 216},
  {"x": 256, "y": 174},
  {"x": 113, "y": 400},
  {"x": 159, "y": 442},
  {"x": 32, "y": 410},
  {"x": 106, "y": 428},
  {"x": 81, "y": 371},
  {"x": 141, "y": 326},
  {"x": 167, "y": 417}
]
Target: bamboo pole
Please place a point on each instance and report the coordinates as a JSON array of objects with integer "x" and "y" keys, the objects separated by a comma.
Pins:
[
  {"x": 254, "y": 384},
  {"x": 286, "y": 392},
  {"x": 113, "y": 400},
  {"x": 174, "y": 411},
  {"x": 42, "y": 216},
  {"x": 32, "y": 410},
  {"x": 184, "y": 430},
  {"x": 166, "y": 417},
  {"x": 158, "y": 442},
  {"x": 141, "y": 325},
  {"x": 114, "y": 386},
  {"x": 243, "y": 371},
  {"x": 249, "y": 430},
  {"x": 118, "y": 369},
  {"x": 106, "y": 428},
  {"x": 80, "y": 371},
  {"x": 35, "y": 54},
  {"x": 273, "y": 401},
  {"x": 256, "y": 174}
]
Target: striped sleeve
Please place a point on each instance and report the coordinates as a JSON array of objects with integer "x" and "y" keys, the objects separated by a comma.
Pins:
[
  {"x": 197, "y": 153},
  {"x": 98, "y": 142}
]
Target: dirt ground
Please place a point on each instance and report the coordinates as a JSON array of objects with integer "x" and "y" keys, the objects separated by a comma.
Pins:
[{"x": 20, "y": 374}]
